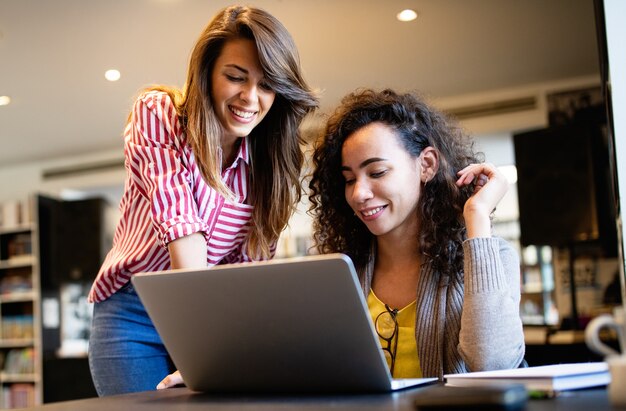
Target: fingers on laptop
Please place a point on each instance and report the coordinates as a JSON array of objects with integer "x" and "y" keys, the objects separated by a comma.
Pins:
[{"x": 170, "y": 381}]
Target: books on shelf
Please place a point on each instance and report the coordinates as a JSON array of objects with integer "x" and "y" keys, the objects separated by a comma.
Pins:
[
  {"x": 11, "y": 284},
  {"x": 546, "y": 378},
  {"x": 19, "y": 245},
  {"x": 19, "y": 361},
  {"x": 17, "y": 327},
  {"x": 18, "y": 396}
]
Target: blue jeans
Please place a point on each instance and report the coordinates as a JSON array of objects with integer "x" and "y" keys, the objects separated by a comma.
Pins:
[{"x": 125, "y": 352}]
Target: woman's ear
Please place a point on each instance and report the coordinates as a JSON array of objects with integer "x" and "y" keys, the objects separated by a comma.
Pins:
[{"x": 429, "y": 164}]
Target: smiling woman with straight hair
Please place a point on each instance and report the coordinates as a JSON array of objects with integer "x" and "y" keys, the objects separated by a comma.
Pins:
[{"x": 213, "y": 176}]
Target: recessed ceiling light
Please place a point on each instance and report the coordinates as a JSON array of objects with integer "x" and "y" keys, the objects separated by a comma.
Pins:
[
  {"x": 407, "y": 15},
  {"x": 112, "y": 75},
  {"x": 5, "y": 100}
]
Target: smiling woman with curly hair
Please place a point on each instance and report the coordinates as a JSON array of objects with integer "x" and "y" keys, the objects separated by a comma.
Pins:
[{"x": 398, "y": 188}]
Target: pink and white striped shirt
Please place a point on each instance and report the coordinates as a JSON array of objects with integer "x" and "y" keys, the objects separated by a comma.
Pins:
[{"x": 165, "y": 198}]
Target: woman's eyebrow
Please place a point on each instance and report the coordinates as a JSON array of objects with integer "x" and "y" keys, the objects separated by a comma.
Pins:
[
  {"x": 237, "y": 67},
  {"x": 365, "y": 163}
]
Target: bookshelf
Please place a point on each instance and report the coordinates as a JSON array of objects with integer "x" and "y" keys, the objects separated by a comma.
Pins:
[
  {"x": 538, "y": 292},
  {"x": 20, "y": 316}
]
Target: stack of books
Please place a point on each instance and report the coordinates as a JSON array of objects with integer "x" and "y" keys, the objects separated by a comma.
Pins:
[{"x": 547, "y": 378}]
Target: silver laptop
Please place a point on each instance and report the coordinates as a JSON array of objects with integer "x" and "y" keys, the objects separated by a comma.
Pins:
[{"x": 297, "y": 325}]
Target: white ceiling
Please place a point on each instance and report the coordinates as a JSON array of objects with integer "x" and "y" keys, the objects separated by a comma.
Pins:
[{"x": 53, "y": 55}]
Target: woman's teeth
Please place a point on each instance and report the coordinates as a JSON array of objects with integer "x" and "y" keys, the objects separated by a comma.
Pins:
[
  {"x": 372, "y": 211},
  {"x": 243, "y": 114}
]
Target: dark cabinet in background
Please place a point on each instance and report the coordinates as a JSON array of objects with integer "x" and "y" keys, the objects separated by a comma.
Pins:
[{"x": 72, "y": 247}]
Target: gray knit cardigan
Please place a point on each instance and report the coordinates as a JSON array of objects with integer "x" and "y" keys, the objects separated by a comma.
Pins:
[{"x": 469, "y": 321}]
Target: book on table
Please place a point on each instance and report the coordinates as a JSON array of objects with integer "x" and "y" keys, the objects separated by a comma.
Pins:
[{"x": 546, "y": 378}]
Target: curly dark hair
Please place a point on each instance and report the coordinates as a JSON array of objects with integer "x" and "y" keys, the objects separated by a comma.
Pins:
[{"x": 440, "y": 208}]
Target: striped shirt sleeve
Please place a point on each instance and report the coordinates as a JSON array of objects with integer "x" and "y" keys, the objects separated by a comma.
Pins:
[{"x": 154, "y": 152}]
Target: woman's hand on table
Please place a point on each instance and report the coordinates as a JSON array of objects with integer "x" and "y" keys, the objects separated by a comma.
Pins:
[{"x": 170, "y": 381}]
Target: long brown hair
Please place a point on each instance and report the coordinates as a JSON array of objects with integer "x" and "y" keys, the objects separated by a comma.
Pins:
[
  {"x": 275, "y": 144},
  {"x": 440, "y": 207}
]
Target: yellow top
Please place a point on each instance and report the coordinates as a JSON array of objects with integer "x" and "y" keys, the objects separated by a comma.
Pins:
[{"x": 407, "y": 364}]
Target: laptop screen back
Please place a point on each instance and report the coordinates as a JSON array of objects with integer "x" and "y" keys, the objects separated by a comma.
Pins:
[{"x": 292, "y": 325}]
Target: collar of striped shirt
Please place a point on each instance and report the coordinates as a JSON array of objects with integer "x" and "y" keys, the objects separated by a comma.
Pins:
[{"x": 243, "y": 154}]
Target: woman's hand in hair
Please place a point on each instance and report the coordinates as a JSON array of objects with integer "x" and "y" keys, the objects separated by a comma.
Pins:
[
  {"x": 490, "y": 185},
  {"x": 171, "y": 380}
]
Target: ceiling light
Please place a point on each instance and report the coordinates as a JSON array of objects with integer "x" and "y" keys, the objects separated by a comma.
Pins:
[
  {"x": 407, "y": 15},
  {"x": 5, "y": 100},
  {"x": 112, "y": 75}
]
